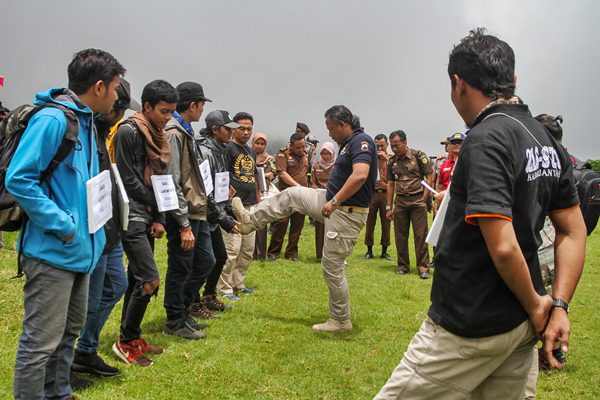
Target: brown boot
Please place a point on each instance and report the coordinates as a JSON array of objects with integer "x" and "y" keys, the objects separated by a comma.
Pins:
[
  {"x": 213, "y": 303},
  {"x": 200, "y": 310}
]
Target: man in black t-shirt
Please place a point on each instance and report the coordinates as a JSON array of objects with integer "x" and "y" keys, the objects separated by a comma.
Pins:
[
  {"x": 242, "y": 168},
  {"x": 488, "y": 300},
  {"x": 343, "y": 208}
]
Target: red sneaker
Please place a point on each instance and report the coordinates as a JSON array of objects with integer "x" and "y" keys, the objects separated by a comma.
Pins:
[
  {"x": 131, "y": 354},
  {"x": 147, "y": 347}
]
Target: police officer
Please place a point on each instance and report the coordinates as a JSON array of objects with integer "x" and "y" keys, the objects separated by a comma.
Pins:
[
  {"x": 292, "y": 167},
  {"x": 406, "y": 169},
  {"x": 378, "y": 203},
  {"x": 342, "y": 207}
]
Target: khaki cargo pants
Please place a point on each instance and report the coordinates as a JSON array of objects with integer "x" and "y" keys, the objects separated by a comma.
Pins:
[{"x": 341, "y": 232}]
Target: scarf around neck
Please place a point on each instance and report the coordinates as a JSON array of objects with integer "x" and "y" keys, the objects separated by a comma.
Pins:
[{"x": 157, "y": 147}]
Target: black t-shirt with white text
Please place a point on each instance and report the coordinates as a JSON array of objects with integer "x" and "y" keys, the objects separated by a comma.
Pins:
[
  {"x": 358, "y": 148},
  {"x": 242, "y": 165},
  {"x": 503, "y": 171}
]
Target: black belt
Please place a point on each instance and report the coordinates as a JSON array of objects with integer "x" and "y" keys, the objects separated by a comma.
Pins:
[{"x": 409, "y": 195}]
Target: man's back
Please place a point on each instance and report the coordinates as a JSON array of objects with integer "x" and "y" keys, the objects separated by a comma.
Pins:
[{"x": 506, "y": 172}]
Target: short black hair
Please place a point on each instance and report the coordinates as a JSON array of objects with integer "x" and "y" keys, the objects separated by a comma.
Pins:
[
  {"x": 184, "y": 105},
  {"x": 552, "y": 125},
  {"x": 381, "y": 136},
  {"x": 157, "y": 91},
  {"x": 341, "y": 113},
  {"x": 90, "y": 66},
  {"x": 400, "y": 133},
  {"x": 243, "y": 115},
  {"x": 295, "y": 137},
  {"x": 484, "y": 62}
]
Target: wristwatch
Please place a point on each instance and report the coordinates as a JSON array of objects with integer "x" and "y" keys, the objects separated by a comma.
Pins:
[
  {"x": 334, "y": 201},
  {"x": 562, "y": 304}
]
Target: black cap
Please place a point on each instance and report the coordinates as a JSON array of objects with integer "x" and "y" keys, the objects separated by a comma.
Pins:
[
  {"x": 191, "y": 91},
  {"x": 312, "y": 139},
  {"x": 124, "y": 93},
  {"x": 220, "y": 118},
  {"x": 303, "y": 127}
]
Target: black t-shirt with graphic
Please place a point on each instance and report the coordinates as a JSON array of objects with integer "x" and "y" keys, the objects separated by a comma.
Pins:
[
  {"x": 358, "y": 148},
  {"x": 242, "y": 166},
  {"x": 503, "y": 171}
]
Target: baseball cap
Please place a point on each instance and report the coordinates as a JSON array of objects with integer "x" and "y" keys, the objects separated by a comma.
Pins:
[
  {"x": 303, "y": 127},
  {"x": 312, "y": 139},
  {"x": 124, "y": 96},
  {"x": 191, "y": 91},
  {"x": 220, "y": 118},
  {"x": 457, "y": 136}
]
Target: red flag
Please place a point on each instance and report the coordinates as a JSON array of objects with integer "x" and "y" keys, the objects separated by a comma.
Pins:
[{"x": 1, "y": 81}]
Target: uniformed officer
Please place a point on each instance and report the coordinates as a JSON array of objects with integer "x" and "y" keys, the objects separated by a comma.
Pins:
[
  {"x": 406, "y": 169},
  {"x": 342, "y": 207},
  {"x": 292, "y": 168},
  {"x": 378, "y": 203}
]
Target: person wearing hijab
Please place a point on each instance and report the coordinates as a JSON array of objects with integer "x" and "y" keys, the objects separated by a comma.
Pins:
[
  {"x": 267, "y": 161},
  {"x": 321, "y": 172}
]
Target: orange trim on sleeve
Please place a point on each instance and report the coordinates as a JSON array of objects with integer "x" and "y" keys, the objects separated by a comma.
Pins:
[
  {"x": 563, "y": 209},
  {"x": 469, "y": 219}
]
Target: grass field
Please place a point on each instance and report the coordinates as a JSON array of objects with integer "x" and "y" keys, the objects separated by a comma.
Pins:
[{"x": 264, "y": 347}]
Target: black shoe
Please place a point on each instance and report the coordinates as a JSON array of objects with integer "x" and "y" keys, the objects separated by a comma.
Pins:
[
  {"x": 183, "y": 329},
  {"x": 386, "y": 256},
  {"x": 424, "y": 275},
  {"x": 92, "y": 364},
  {"x": 78, "y": 384},
  {"x": 194, "y": 324},
  {"x": 368, "y": 256}
]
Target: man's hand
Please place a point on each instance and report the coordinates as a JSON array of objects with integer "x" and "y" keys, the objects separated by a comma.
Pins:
[
  {"x": 187, "y": 239},
  {"x": 236, "y": 228},
  {"x": 557, "y": 332},
  {"x": 328, "y": 209},
  {"x": 437, "y": 200},
  {"x": 383, "y": 155},
  {"x": 157, "y": 230},
  {"x": 540, "y": 315},
  {"x": 68, "y": 238}
]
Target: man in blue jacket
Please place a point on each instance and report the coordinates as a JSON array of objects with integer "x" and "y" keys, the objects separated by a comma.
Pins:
[{"x": 58, "y": 251}]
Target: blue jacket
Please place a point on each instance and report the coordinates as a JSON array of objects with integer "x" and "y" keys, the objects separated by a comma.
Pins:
[{"x": 55, "y": 216}]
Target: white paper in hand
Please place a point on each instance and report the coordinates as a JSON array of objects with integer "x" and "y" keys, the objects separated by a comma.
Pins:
[
  {"x": 123, "y": 198},
  {"x": 99, "y": 202},
  {"x": 438, "y": 222},
  {"x": 206, "y": 177},
  {"x": 164, "y": 192},
  {"x": 221, "y": 186}
]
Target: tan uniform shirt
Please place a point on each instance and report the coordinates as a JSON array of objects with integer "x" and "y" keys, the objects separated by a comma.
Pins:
[
  {"x": 296, "y": 167},
  {"x": 383, "y": 170},
  {"x": 407, "y": 172},
  {"x": 320, "y": 176}
]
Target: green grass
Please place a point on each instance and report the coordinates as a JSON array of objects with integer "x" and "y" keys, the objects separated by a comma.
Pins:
[{"x": 264, "y": 347}]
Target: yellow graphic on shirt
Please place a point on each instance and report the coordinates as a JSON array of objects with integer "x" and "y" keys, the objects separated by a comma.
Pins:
[{"x": 243, "y": 169}]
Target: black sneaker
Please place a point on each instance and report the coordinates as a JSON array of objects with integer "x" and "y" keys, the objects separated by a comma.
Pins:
[
  {"x": 386, "y": 256},
  {"x": 368, "y": 256},
  {"x": 78, "y": 384},
  {"x": 183, "y": 330},
  {"x": 92, "y": 364},
  {"x": 195, "y": 324}
]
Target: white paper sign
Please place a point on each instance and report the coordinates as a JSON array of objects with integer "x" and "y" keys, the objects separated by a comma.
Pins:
[
  {"x": 99, "y": 202},
  {"x": 164, "y": 191},
  {"x": 221, "y": 186},
  {"x": 206, "y": 177},
  {"x": 123, "y": 198},
  {"x": 438, "y": 222}
]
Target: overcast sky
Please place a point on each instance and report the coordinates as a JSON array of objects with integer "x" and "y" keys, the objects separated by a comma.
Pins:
[{"x": 286, "y": 61}]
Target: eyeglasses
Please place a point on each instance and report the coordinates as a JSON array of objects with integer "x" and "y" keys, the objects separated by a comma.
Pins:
[{"x": 456, "y": 142}]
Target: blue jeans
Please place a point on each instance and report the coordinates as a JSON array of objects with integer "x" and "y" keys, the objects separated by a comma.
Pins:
[
  {"x": 187, "y": 270},
  {"x": 107, "y": 285},
  {"x": 55, "y": 302}
]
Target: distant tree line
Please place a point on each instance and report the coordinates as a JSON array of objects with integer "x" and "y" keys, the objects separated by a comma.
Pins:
[{"x": 595, "y": 165}]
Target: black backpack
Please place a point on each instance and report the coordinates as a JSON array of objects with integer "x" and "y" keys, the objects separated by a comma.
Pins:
[{"x": 587, "y": 182}]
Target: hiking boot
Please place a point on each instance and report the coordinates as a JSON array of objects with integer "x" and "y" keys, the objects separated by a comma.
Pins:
[
  {"x": 242, "y": 216},
  {"x": 147, "y": 347},
  {"x": 200, "y": 310},
  {"x": 213, "y": 303},
  {"x": 79, "y": 384},
  {"x": 131, "y": 354},
  {"x": 183, "y": 330},
  {"x": 332, "y": 325},
  {"x": 92, "y": 364},
  {"x": 194, "y": 324}
]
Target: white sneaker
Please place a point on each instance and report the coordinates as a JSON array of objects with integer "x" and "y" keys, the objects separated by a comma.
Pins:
[{"x": 332, "y": 325}]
